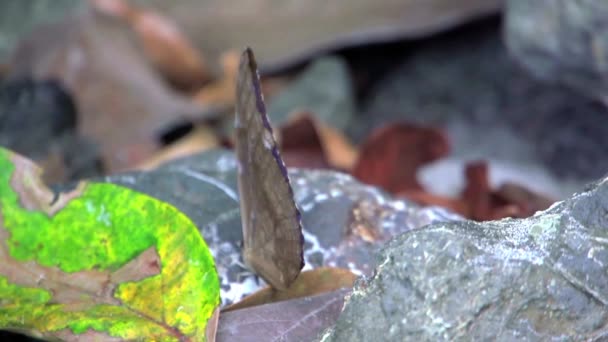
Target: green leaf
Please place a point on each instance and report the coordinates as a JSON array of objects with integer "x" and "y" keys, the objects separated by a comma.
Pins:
[{"x": 100, "y": 261}]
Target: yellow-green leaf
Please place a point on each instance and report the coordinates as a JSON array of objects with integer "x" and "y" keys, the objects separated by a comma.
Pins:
[{"x": 100, "y": 261}]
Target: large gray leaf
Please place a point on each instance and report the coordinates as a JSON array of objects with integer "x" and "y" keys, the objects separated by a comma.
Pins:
[{"x": 286, "y": 32}]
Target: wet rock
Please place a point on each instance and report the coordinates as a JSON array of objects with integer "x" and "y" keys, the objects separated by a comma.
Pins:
[
  {"x": 344, "y": 221},
  {"x": 38, "y": 119},
  {"x": 541, "y": 278},
  {"x": 562, "y": 41}
]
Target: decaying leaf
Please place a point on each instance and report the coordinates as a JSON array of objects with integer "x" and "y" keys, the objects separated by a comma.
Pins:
[
  {"x": 122, "y": 101},
  {"x": 341, "y": 153},
  {"x": 308, "y": 142},
  {"x": 164, "y": 43},
  {"x": 221, "y": 93},
  {"x": 301, "y": 145},
  {"x": 99, "y": 262},
  {"x": 309, "y": 283},
  {"x": 301, "y": 319}
]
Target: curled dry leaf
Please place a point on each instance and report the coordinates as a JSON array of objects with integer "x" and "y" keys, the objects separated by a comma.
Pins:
[
  {"x": 221, "y": 93},
  {"x": 339, "y": 152},
  {"x": 301, "y": 144},
  {"x": 164, "y": 43},
  {"x": 309, "y": 283},
  {"x": 100, "y": 261},
  {"x": 307, "y": 142}
]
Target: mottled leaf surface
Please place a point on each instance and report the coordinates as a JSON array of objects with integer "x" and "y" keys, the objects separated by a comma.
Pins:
[{"x": 100, "y": 261}]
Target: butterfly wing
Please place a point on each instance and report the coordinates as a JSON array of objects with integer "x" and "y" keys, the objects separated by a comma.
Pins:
[{"x": 272, "y": 231}]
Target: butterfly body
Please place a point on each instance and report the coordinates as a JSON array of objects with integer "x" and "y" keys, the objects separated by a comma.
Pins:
[{"x": 272, "y": 231}]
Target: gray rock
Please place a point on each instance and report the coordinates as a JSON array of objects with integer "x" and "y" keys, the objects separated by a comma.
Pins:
[
  {"x": 38, "y": 120},
  {"x": 541, "y": 278},
  {"x": 34, "y": 113},
  {"x": 345, "y": 222},
  {"x": 18, "y": 18},
  {"x": 562, "y": 41},
  {"x": 324, "y": 88}
]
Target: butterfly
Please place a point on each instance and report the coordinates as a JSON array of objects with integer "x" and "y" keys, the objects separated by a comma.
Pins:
[{"x": 272, "y": 229}]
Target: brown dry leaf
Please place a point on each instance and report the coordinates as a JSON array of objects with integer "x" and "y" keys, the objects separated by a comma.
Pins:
[
  {"x": 340, "y": 152},
  {"x": 221, "y": 93},
  {"x": 122, "y": 102},
  {"x": 309, "y": 142},
  {"x": 391, "y": 156},
  {"x": 166, "y": 46},
  {"x": 309, "y": 283},
  {"x": 301, "y": 145},
  {"x": 202, "y": 138}
]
